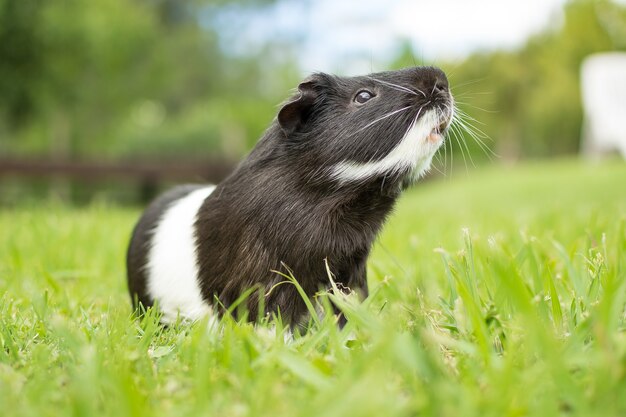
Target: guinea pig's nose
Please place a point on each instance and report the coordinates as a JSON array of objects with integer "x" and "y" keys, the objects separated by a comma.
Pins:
[
  {"x": 432, "y": 80},
  {"x": 441, "y": 84}
]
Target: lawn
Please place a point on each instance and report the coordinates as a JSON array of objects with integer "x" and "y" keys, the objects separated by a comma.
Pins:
[{"x": 496, "y": 292}]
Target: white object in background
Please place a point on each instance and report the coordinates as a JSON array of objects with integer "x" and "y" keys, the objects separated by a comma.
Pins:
[{"x": 603, "y": 85}]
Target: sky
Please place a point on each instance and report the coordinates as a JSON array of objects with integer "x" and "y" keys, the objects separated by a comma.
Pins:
[
  {"x": 436, "y": 29},
  {"x": 352, "y": 36}
]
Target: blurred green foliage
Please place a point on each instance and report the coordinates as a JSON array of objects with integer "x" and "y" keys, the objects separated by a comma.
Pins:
[{"x": 128, "y": 78}]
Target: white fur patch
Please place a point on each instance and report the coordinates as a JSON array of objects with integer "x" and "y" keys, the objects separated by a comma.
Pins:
[
  {"x": 172, "y": 263},
  {"x": 414, "y": 152}
]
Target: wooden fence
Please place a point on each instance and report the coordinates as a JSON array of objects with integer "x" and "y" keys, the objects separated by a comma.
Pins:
[{"x": 148, "y": 175}]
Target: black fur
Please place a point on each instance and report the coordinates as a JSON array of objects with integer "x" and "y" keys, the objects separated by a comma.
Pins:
[{"x": 281, "y": 210}]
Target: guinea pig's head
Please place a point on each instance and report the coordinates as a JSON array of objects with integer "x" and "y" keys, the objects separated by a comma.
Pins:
[{"x": 355, "y": 129}]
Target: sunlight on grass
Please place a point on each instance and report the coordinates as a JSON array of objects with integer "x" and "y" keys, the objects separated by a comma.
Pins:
[{"x": 499, "y": 293}]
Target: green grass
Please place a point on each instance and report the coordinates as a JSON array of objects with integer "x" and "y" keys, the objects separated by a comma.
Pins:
[{"x": 498, "y": 293}]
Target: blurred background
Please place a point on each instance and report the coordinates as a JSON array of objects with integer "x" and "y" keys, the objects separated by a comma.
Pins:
[{"x": 116, "y": 99}]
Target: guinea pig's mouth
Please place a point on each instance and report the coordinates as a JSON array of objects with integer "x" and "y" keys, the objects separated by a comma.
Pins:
[{"x": 437, "y": 133}]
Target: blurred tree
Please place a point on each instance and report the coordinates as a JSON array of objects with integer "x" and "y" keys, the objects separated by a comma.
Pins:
[
  {"x": 101, "y": 77},
  {"x": 20, "y": 62}
]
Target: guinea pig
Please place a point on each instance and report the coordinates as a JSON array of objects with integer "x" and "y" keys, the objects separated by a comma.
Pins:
[{"x": 312, "y": 194}]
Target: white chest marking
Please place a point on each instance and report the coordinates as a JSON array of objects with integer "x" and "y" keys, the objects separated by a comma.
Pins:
[
  {"x": 414, "y": 152},
  {"x": 172, "y": 261}
]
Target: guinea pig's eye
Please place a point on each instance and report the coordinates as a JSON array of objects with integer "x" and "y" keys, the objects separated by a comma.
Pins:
[{"x": 363, "y": 96}]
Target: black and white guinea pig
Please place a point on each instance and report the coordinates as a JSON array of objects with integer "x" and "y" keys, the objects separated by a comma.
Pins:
[{"x": 317, "y": 187}]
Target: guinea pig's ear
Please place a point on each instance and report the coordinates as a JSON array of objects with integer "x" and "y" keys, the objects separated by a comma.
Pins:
[{"x": 296, "y": 112}]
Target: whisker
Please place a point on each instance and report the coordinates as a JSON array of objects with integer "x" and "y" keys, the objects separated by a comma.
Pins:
[
  {"x": 477, "y": 80},
  {"x": 433, "y": 90},
  {"x": 450, "y": 111},
  {"x": 464, "y": 103},
  {"x": 458, "y": 136},
  {"x": 437, "y": 169},
  {"x": 477, "y": 134},
  {"x": 468, "y": 117},
  {"x": 478, "y": 137},
  {"x": 462, "y": 152},
  {"x": 445, "y": 155},
  {"x": 451, "y": 158},
  {"x": 470, "y": 94},
  {"x": 469, "y": 154},
  {"x": 464, "y": 121},
  {"x": 469, "y": 130},
  {"x": 398, "y": 87},
  {"x": 382, "y": 118}
]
